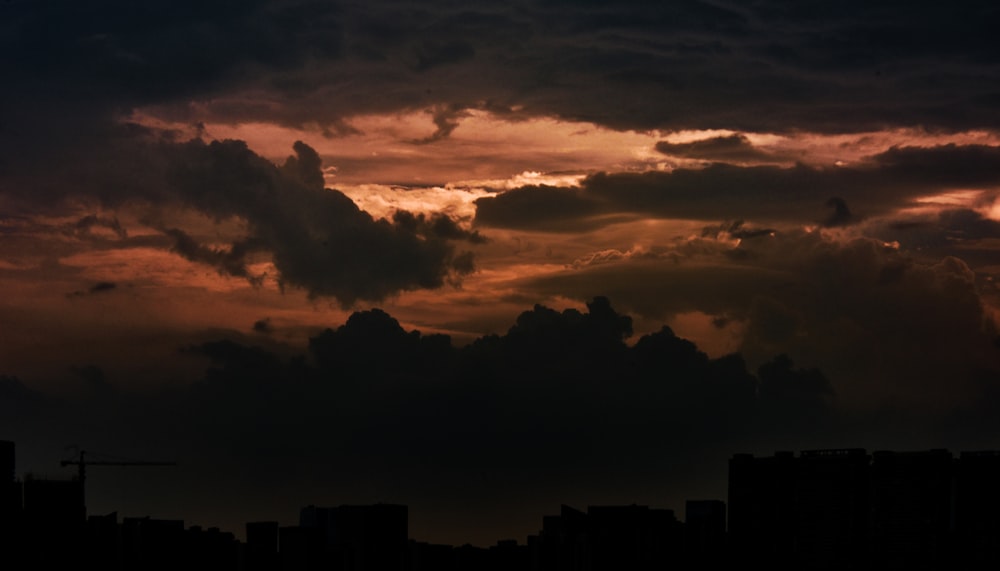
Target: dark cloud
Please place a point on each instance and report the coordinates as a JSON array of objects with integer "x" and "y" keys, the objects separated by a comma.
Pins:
[
  {"x": 12, "y": 389},
  {"x": 763, "y": 193},
  {"x": 841, "y": 215},
  {"x": 318, "y": 238},
  {"x": 944, "y": 165},
  {"x": 760, "y": 67},
  {"x": 87, "y": 223},
  {"x": 445, "y": 120},
  {"x": 941, "y": 233},
  {"x": 558, "y": 391},
  {"x": 560, "y": 402},
  {"x": 305, "y": 166},
  {"x": 557, "y": 407},
  {"x": 732, "y": 148},
  {"x": 735, "y": 229},
  {"x": 435, "y": 226},
  {"x": 432, "y": 53},
  {"x": 537, "y": 207},
  {"x": 93, "y": 377},
  {"x": 99, "y": 287},
  {"x": 857, "y": 310},
  {"x": 263, "y": 326},
  {"x": 796, "y": 392},
  {"x": 102, "y": 286},
  {"x": 229, "y": 262}
]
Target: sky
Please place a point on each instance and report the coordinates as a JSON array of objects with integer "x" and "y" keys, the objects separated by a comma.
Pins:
[{"x": 486, "y": 260}]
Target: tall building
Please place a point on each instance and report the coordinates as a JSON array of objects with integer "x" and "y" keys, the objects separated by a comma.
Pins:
[
  {"x": 6, "y": 462},
  {"x": 10, "y": 489},
  {"x": 54, "y": 503},
  {"x": 807, "y": 511},
  {"x": 761, "y": 507},
  {"x": 562, "y": 542},
  {"x": 608, "y": 538},
  {"x": 53, "y": 522},
  {"x": 10, "y": 506},
  {"x": 632, "y": 537},
  {"x": 831, "y": 508},
  {"x": 704, "y": 532},
  {"x": 977, "y": 509},
  {"x": 262, "y": 545},
  {"x": 911, "y": 508},
  {"x": 361, "y": 538}
]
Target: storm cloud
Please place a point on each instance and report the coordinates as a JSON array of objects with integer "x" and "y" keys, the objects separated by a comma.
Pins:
[
  {"x": 810, "y": 186},
  {"x": 761, "y": 67},
  {"x": 760, "y": 193},
  {"x": 841, "y": 306},
  {"x": 319, "y": 239}
]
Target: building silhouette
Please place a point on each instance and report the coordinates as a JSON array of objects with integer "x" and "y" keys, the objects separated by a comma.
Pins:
[
  {"x": 53, "y": 519},
  {"x": 357, "y": 538},
  {"x": 817, "y": 509},
  {"x": 762, "y": 508},
  {"x": 608, "y": 538},
  {"x": 261, "y": 550},
  {"x": 845, "y": 509},
  {"x": 704, "y": 533},
  {"x": 977, "y": 510}
]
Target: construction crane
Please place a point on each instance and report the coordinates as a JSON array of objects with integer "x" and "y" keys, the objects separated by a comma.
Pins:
[{"x": 82, "y": 464}]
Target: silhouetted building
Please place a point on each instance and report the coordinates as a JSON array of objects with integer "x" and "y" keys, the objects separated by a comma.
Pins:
[
  {"x": 808, "y": 511},
  {"x": 563, "y": 541},
  {"x": 104, "y": 542},
  {"x": 911, "y": 509},
  {"x": 211, "y": 550},
  {"x": 7, "y": 474},
  {"x": 471, "y": 558},
  {"x": 10, "y": 490},
  {"x": 10, "y": 503},
  {"x": 977, "y": 509},
  {"x": 431, "y": 557},
  {"x": 361, "y": 538},
  {"x": 261, "y": 550},
  {"x": 761, "y": 508},
  {"x": 704, "y": 533},
  {"x": 632, "y": 537},
  {"x": 508, "y": 555},
  {"x": 299, "y": 548},
  {"x": 53, "y": 522},
  {"x": 608, "y": 538},
  {"x": 831, "y": 509},
  {"x": 843, "y": 509},
  {"x": 54, "y": 502},
  {"x": 153, "y": 544}
]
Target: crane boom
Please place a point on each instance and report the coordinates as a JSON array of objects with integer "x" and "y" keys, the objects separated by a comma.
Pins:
[{"x": 82, "y": 464}]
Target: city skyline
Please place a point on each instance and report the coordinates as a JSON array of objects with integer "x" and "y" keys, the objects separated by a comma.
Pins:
[
  {"x": 469, "y": 258},
  {"x": 825, "y": 509}
]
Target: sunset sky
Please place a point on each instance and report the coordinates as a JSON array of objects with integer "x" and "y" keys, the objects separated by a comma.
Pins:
[{"x": 192, "y": 192}]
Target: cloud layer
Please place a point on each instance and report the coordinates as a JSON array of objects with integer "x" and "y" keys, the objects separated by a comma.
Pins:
[{"x": 799, "y": 194}]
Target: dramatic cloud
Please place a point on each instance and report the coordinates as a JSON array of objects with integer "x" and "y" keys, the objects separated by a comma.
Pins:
[
  {"x": 263, "y": 326},
  {"x": 530, "y": 409},
  {"x": 761, "y": 67},
  {"x": 319, "y": 239},
  {"x": 841, "y": 215},
  {"x": 316, "y": 238},
  {"x": 732, "y": 148},
  {"x": 811, "y": 185},
  {"x": 762, "y": 193},
  {"x": 884, "y": 326},
  {"x": 99, "y": 287}
]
